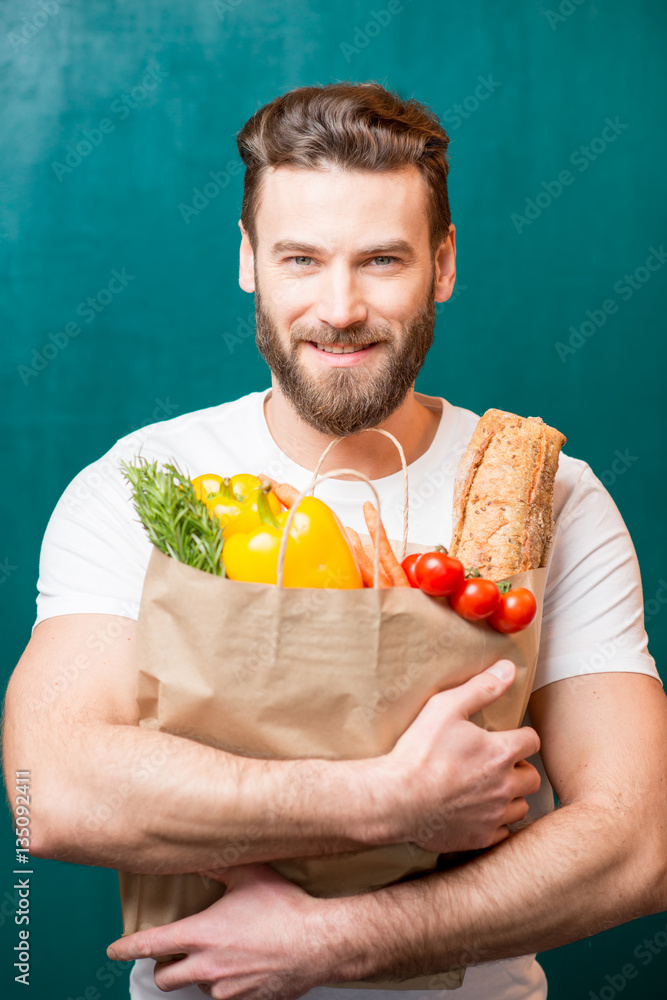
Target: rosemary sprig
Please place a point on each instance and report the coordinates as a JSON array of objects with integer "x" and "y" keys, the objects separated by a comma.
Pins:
[{"x": 176, "y": 521}]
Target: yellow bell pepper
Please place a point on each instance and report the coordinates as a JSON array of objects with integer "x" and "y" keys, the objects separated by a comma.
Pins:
[
  {"x": 227, "y": 511},
  {"x": 247, "y": 490},
  {"x": 318, "y": 553},
  {"x": 233, "y": 501},
  {"x": 207, "y": 485},
  {"x": 242, "y": 485}
]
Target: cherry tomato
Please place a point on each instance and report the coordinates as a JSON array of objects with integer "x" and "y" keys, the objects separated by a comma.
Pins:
[
  {"x": 516, "y": 610},
  {"x": 408, "y": 565},
  {"x": 476, "y": 599},
  {"x": 439, "y": 574}
]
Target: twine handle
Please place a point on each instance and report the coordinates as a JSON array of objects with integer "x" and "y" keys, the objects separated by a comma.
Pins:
[
  {"x": 387, "y": 434},
  {"x": 292, "y": 511}
]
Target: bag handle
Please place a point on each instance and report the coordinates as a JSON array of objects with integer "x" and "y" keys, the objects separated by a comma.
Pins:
[
  {"x": 404, "y": 465},
  {"x": 309, "y": 489}
]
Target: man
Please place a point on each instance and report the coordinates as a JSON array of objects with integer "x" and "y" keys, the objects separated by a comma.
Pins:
[{"x": 347, "y": 243}]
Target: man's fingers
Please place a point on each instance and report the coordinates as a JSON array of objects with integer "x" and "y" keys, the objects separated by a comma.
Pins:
[
  {"x": 175, "y": 975},
  {"x": 483, "y": 689},
  {"x": 516, "y": 811},
  {"x": 502, "y": 833},
  {"x": 166, "y": 940},
  {"x": 524, "y": 780},
  {"x": 520, "y": 743},
  {"x": 529, "y": 778}
]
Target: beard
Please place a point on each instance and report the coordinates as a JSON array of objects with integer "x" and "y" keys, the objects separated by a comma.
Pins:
[{"x": 343, "y": 401}]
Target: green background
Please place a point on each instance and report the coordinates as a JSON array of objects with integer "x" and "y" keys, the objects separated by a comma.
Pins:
[{"x": 174, "y": 339}]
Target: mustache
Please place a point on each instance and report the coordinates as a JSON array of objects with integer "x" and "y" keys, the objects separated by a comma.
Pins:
[{"x": 329, "y": 336}]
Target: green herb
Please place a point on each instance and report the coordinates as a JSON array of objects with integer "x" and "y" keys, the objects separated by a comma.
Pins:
[{"x": 176, "y": 521}]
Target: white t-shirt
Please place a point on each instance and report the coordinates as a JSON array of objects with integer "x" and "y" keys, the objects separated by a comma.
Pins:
[{"x": 95, "y": 553}]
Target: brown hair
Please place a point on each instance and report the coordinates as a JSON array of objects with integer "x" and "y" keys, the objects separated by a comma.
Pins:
[{"x": 360, "y": 126}]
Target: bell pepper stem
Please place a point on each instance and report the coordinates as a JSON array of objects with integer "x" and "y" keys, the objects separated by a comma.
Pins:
[
  {"x": 226, "y": 490},
  {"x": 263, "y": 509}
]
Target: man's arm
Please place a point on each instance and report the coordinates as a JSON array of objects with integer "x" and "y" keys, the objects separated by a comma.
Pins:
[
  {"x": 598, "y": 861},
  {"x": 105, "y": 791}
]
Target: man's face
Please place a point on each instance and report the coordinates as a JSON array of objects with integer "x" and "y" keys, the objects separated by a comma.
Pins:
[{"x": 344, "y": 281}]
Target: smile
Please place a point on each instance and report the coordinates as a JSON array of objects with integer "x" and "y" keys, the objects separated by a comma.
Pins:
[
  {"x": 335, "y": 349},
  {"x": 341, "y": 355}
]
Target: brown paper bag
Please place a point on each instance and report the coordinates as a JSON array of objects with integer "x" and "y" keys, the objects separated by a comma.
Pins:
[{"x": 276, "y": 672}]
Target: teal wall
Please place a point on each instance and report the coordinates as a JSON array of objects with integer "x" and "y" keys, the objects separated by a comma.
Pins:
[{"x": 162, "y": 346}]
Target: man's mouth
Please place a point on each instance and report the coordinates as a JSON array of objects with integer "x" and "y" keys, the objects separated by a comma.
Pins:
[{"x": 339, "y": 348}]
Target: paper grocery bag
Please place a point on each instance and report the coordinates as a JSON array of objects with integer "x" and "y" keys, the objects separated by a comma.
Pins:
[{"x": 275, "y": 672}]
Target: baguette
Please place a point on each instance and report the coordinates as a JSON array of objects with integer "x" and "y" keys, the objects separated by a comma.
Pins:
[{"x": 503, "y": 495}]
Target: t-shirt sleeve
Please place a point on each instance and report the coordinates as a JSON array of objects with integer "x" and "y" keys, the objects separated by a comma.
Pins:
[
  {"x": 593, "y": 619},
  {"x": 95, "y": 552}
]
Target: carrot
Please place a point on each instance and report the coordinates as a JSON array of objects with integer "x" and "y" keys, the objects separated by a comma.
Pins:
[
  {"x": 365, "y": 556},
  {"x": 286, "y": 494},
  {"x": 365, "y": 566},
  {"x": 390, "y": 563},
  {"x": 353, "y": 536},
  {"x": 385, "y": 579},
  {"x": 355, "y": 541}
]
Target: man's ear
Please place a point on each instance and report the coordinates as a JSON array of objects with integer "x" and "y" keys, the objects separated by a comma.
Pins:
[
  {"x": 445, "y": 266},
  {"x": 246, "y": 262}
]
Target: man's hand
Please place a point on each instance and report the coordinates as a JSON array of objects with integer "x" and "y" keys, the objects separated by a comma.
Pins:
[
  {"x": 451, "y": 785},
  {"x": 263, "y": 938}
]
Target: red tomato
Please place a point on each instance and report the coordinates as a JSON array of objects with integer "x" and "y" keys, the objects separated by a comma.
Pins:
[
  {"x": 408, "y": 565},
  {"x": 476, "y": 599},
  {"x": 439, "y": 574},
  {"x": 516, "y": 610}
]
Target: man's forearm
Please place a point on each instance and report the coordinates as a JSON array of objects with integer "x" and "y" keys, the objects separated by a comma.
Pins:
[
  {"x": 567, "y": 876},
  {"x": 143, "y": 800},
  {"x": 131, "y": 797}
]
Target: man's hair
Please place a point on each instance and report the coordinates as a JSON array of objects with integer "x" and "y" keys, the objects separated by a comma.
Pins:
[{"x": 358, "y": 126}]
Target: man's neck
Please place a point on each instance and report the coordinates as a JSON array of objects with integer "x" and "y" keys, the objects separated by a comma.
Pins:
[{"x": 413, "y": 424}]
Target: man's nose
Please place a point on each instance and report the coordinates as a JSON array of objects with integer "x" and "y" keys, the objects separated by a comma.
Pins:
[{"x": 340, "y": 301}]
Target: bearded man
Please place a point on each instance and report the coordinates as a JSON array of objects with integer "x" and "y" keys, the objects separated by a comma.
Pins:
[{"x": 347, "y": 243}]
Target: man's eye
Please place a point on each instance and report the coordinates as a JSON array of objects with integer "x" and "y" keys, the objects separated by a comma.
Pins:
[
  {"x": 385, "y": 260},
  {"x": 303, "y": 260}
]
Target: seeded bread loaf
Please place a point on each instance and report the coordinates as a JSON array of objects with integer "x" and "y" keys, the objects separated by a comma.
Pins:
[{"x": 503, "y": 495}]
